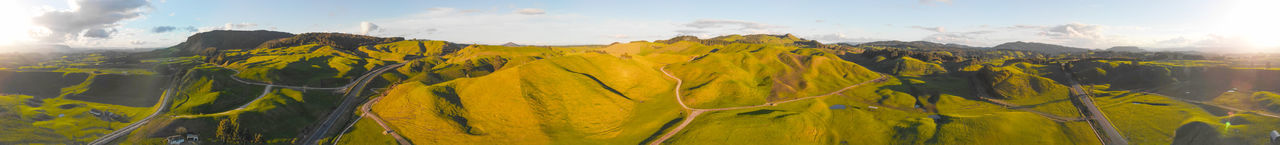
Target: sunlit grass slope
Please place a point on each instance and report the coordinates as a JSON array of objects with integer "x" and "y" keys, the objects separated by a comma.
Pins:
[
  {"x": 312, "y": 65},
  {"x": 575, "y": 99},
  {"x": 1267, "y": 100},
  {"x": 210, "y": 89},
  {"x": 276, "y": 118},
  {"x": 908, "y": 66},
  {"x": 1145, "y": 118},
  {"x": 751, "y": 74},
  {"x": 865, "y": 115},
  {"x": 1022, "y": 84},
  {"x": 58, "y": 120},
  {"x": 615, "y": 94}
]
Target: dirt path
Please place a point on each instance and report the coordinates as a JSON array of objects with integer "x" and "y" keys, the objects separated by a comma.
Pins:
[
  {"x": 694, "y": 112},
  {"x": 265, "y": 91}
]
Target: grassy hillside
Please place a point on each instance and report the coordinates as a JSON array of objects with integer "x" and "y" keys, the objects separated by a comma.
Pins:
[
  {"x": 1022, "y": 84},
  {"x": 907, "y": 66},
  {"x": 567, "y": 100},
  {"x": 310, "y": 65},
  {"x": 574, "y": 96},
  {"x": 60, "y": 121},
  {"x": 1146, "y": 118},
  {"x": 449, "y": 93},
  {"x": 209, "y": 89},
  {"x": 880, "y": 114},
  {"x": 1267, "y": 101},
  {"x": 751, "y": 74},
  {"x": 276, "y": 118},
  {"x": 1153, "y": 119},
  {"x": 1125, "y": 74}
]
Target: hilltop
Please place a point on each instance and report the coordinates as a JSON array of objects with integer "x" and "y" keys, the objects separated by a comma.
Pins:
[{"x": 205, "y": 42}]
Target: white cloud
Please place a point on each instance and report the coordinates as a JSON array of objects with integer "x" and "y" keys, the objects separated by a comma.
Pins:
[
  {"x": 88, "y": 18},
  {"x": 366, "y": 27},
  {"x": 531, "y": 11},
  {"x": 938, "y": 29},
  {"x": 730, "y": 27},
  {"x": 690, "y": 32},
  {"x": 234, "y": 26},
  {"x": 934, "y": 1},
  {"x": 619, "y": 36},
  {"x": 1074, "y": 31},
  {"x": 99, "y": 33},
  {"x": 162, "y": 29},
  {"x": 973, "y": 38},
  {"x": 501, "y": 26},
  {"x": 226, "y": 26},
  {"x": 841, "y": 37}
]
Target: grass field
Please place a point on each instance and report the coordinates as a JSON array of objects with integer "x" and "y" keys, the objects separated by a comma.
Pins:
[
  {"x": 366, "y": 131},
  {"x": 1148, "y": 119},
  {"x": 57, "y": 120}
]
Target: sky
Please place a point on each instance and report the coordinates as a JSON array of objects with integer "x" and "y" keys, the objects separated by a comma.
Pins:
[{"x": 1210, "y": 25}]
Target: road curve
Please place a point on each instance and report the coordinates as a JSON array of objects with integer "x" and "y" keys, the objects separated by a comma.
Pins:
[
  {"x": 265, "y": 91},
  {"x": 694, "y": 112},
  {"x": 348, "y": 103},
  {"x": 165, "y": 99},
  {"x": 368, "y": 111}
]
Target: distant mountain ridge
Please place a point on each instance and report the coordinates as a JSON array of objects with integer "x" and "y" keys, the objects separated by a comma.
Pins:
[
  {"x": 1039, "y": 47},
  {"x": 1126, "y": 49},
  {"x": 925, "y": 45}
]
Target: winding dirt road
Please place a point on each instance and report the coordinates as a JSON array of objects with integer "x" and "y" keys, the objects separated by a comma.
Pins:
[{"x": 694, "y": 112}]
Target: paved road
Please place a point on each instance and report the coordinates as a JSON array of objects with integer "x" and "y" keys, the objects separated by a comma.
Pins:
[
  {"x": 350, "y": 100},
  {"x": 1100, "y": 121},
  {"x": 368, "y": 111},
  {"x": 694, "y": 112},
  {"x": 165, "y": 99}
]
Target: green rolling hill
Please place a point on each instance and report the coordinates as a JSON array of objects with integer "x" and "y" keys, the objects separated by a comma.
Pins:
[{"x": 280, "y": 88}]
